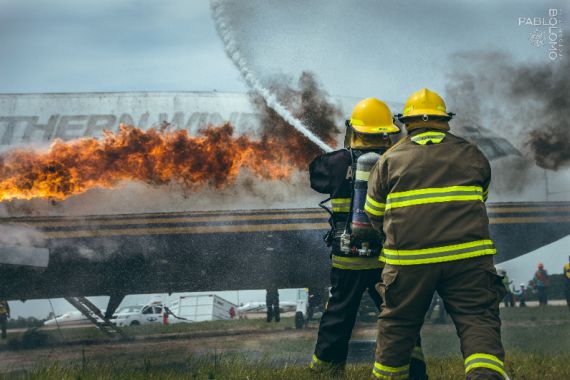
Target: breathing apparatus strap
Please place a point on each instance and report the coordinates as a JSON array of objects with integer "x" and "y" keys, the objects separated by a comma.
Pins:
[
  {"x": 347, "y": 229},
  {"x": 328, "y": 210}
]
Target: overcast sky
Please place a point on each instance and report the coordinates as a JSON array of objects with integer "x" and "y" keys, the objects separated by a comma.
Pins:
[
  {"x": 376, "y": 48},
  {"x": 385, "y": 49}
]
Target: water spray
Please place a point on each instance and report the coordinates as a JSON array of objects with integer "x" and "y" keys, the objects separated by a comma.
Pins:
[{"x": 232, "y": 51}]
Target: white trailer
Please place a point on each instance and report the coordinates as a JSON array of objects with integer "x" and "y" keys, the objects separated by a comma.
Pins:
[{"x": 206, "y": 307}]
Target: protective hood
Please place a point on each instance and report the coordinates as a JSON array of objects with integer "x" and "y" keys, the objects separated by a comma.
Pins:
[
  {"x": 431, "y": 124},
  {"x": 362, "y": 141}
]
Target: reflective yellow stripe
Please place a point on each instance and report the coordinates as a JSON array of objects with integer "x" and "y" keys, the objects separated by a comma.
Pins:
[
  {"x": 418, "y": 354},
  {"x": 316, "y": 361},
  {"x": 485, "y": 361},
  {"x": 424, "y": 138},
  {"x": 374, "y": 203},
  {"x": 434, "y": 195},
  {"x": 438, "y": 254},
  {"x": 361, "y": 175},
  {"x": 485, "y": 194},
  {"x": 356, "y": 263},
  {"x": 372, "y": 210},
  {"x": 391, "y": 373},
  {"x": 318, "y": 364},
  {"x": 434, "y": 190},
  {"x": 373, "y": 207},
  {"x": 340, "y": 204}
]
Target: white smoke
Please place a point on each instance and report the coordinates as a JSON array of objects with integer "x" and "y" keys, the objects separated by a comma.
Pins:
[
  {"x": 16, "y": 235},
  {"x": 233, "y": 52}
]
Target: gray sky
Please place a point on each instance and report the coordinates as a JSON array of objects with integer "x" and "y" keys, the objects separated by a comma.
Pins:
[
  {"x": 375, "y": 48},
  {"x": 378, "y": 48}
]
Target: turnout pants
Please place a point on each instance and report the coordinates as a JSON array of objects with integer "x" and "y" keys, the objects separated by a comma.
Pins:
[
  {"x": 471, "y": 290},
  {"x": 339, "y": 318}
]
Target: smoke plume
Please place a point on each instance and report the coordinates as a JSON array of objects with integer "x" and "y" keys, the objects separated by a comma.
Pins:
[
  {"x": 308, "y": 102},
  {"x": 525, "y": 102},
  {"x": 233, "y": 52}
]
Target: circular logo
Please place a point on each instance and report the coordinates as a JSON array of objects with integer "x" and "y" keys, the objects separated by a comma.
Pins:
[{"x": 537, "y": 38}]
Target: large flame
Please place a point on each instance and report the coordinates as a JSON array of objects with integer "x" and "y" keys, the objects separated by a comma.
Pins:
[{"x": 155, "y": 157}]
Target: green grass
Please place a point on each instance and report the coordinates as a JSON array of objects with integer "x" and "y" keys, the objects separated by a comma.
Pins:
[
  {"x": 537, "y": 342},
  {"x": 81, "y": 334},
  {"x": 519, "y": 366}
]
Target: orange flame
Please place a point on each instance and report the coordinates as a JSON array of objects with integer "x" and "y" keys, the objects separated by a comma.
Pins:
[{"x": 214, "y": 158}]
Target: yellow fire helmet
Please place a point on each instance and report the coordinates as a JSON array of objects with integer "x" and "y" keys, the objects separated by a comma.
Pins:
[
  {"x": 372, "y": 117},
  {"x": 423, "y": 104}
]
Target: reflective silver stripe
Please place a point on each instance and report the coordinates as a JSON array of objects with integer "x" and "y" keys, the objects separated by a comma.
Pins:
[
  {"x": 423, "y": 138},
  {"x": 376, "y": 211},
  {"x": 361, "y": 175},
  {"x": 418, "y": 354},
  {"x": 374, "y": 207},
  {"x": 340, "y": 204},
  {"x": 432, "y": 195},
  {"x": 428, "y": 137},
  {"x": 356, "y": 263},
  {"x": 485, "y": 361},
  {"x": 385, "y": 372},
  {"x": 439, "y": 254}
]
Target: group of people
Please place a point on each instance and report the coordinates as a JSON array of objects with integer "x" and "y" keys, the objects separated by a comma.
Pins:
[
  {"x": 539, "y": 285},
  {"x": 424, "y": 200}
]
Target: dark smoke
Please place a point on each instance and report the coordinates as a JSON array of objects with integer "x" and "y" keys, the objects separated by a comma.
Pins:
[
  {"x": 309, "y": 103},
  {"x": 525, "y": 102}
]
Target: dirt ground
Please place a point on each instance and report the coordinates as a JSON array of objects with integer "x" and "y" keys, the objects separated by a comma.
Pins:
[{"x": 147, "y": 347}]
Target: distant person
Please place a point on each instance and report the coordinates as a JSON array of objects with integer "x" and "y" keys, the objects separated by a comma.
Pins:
[
  {"x": 232, "y": 312},
  {"x": 4, "y": 316},
  {"x": 520, "y": 295},
  {"x": 567, "y": 282},
  {"x": 508, "y": 299},
  {"x": 165, "y": 321},
  {"x": 437, "y": 301},
  {"x": 541, "y": 283},
  {"x": 272, "y": 304},
  {"x": 315, "y": 302}
]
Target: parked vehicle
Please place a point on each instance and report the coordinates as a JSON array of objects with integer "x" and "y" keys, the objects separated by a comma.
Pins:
[
  {"x": 207, "y": 307},
  {"x": 139, "y": 315}
]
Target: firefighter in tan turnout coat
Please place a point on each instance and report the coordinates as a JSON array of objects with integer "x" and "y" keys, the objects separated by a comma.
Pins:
[{"x": 427, "y": 195}]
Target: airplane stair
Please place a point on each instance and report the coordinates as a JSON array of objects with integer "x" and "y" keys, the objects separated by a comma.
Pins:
[{"x": 89, "y": 310}]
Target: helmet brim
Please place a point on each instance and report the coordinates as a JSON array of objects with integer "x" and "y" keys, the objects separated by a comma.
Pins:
[
  {"x": 430, "y": 116},
  {"x": 376, "y": 130}
]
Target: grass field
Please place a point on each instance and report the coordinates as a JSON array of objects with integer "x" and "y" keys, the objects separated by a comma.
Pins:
[{"x": 537, "y": 343}]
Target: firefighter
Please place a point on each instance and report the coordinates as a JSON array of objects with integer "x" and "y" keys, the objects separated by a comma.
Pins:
[
  {"x": 509, "y": 299},
  {"x": 566, "y": 279},
  {"x": 4, "y": 316},
  {"x": 272, "y": 304},
  {"x": 541, "y": 282},
  {"x": 426, "y": 196},
  {"x": 355, "y": 265}
]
